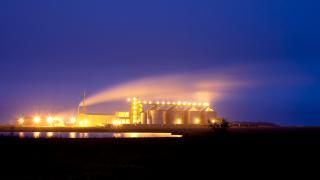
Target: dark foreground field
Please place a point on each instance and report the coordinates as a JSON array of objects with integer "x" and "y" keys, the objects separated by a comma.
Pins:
[{"x": 244, "y": 153}]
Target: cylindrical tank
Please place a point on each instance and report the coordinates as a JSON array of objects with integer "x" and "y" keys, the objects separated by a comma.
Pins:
[
  {"x": 144, "y": 118},
  {"x": 208, "y": 115},
  {"x": 157, "y": 116},
  {"x": 175, "y": 117},
  {"x": 194, "y": 117}
]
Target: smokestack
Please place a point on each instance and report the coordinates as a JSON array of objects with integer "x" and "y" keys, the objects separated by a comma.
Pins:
[
  {"x": 82, "y": 108},
  {"x": 84, "y": 105}
]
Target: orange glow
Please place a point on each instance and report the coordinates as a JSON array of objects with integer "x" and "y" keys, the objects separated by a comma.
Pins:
[
  {"x": 49, "y": 134},
  {"x": 50, "y": 120},
  {"x": 83, "y": 135},
  {"x": 37, "y": 120},
  {"x": 197, "y": 121},
  {"x": 73, "y": 120},
  {"x": 36, "y": 134},
  {"x": 21, "y": 134},
  {"x": 72, "y": 135},
  {"x": 206, "y": 104},
  {"x": 116, "y": 122},
  {"x": 20, "y": 121},
  {"x": 84, "y": 123}
]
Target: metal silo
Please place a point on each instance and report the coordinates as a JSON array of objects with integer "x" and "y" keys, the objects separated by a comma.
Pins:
[
  {"x": 208, "y": 114},
  {"x": 175, "y": 116},
  {"x": 143, "y": 116},
  {"x": 193, "y": 116},
  {"x": 157, "y": 116}
]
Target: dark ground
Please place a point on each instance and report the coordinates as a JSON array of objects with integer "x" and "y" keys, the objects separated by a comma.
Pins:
[{"x": 244, "y": 153}]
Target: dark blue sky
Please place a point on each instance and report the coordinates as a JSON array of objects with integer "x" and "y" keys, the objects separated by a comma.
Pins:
[{"x": 51, "y": 51}]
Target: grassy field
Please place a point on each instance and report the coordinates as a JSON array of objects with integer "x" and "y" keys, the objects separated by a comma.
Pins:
[{"x": 240, "y": 152}]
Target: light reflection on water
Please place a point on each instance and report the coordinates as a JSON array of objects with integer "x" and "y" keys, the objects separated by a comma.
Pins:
[{"x": 88, "y": 135}]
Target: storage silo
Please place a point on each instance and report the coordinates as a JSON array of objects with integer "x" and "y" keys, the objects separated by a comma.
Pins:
[
  {"x": 175, "y": 116},
  {"x": 193, "y": 116},
  {"x": 156, "y": 116},
  {"x": 208, "y": 114},
  {"x": 143, "y": 116}
]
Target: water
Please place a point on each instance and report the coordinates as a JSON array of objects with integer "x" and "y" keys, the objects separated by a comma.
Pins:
[{"x": 89, "y": 135}]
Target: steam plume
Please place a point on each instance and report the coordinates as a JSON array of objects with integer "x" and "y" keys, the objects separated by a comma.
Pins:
[{"x": 191, "y": 87}]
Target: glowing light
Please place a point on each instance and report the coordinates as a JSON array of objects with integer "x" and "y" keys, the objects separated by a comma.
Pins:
[
  {"x": 179, "y": 102},
  {"x": 72, "y": 135},
  {"x": 206, "y": 104},
  {"x": 150, "y": 102},
  {"x": 194, "y": 103},
  {"x": 163, "y": 103},
  {"x": 134, "y": 98},
  {"x": 174, "y": 103},
  {"x": 144, "y": 135},
  {"x": 189, "y": 103},
  {"x": 133, "y": 135},
  {"x": 179, "y": 121},
  {"x": 213, "y": 121},
  {"x": 116, "y": 122},
  {"x": 199, "y": 104},
  {"x": 21, "y": 134},
  {"x": 20, "y": 121},
  {"x": 49, "y": 134},
  {"x": 122, "y": 114},
  {"x": 36, "y": 134},
  {"x": 50, "y": 120},
  {"x": 158, "y": 102},
  {"x": 129, "y": 99},
  {"x": 144, "y": 102},
  {"x": 83, "y": 135},
  {"x": 184, "y": 103},
  {"x": 197, "y": 121},
  {"x": 37, "y": 120},
  {"x": 73, "y": 120},
  {"x": 84, "y": 123}
]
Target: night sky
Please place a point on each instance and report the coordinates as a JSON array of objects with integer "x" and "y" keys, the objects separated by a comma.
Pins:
[{"x": 52, "y": 51}]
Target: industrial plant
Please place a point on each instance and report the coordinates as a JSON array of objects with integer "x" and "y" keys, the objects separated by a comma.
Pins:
[{"x": 142, "y": 112}]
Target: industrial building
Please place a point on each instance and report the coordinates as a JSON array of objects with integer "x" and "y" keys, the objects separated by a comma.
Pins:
[
  {"x": 89, "y": 120},
  {"x": 170, "y": 112},
  {"x": 153, "y": 113},
  {"x": 142, "y": 112}
]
